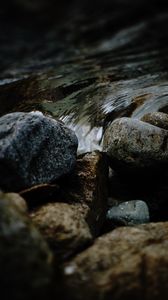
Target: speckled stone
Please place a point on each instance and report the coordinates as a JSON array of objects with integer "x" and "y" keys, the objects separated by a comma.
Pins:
[
  {"x": 158, "y": 119},
  {"x": 34, "y": 149},
  {"x": 129, "y": 213},
  {"x": 133, "y": 145}
]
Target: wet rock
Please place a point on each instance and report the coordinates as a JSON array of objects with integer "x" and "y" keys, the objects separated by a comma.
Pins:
[
  {"x": 127, "y": 263},
  {"x": 25, "y": 259},
  {"x": 134, "y": 145},
  {"x": 70, "y": 226},
  {"x": 129, "y": 213},
  {"x": 34, "y": 149},
  {"x": 158, "y": 119}
]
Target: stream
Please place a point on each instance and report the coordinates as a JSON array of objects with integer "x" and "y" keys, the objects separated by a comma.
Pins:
[{"x": 88, "y": 67}]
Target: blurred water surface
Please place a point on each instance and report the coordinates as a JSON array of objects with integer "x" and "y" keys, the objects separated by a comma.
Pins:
[{"x": 87, "y": 68}]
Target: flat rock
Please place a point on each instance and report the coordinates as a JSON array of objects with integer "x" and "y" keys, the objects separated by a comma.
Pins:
[
  {"x": 40, "y": 194},
  {"x": 133, "y": 145},
  {"x": 34, "y": 149},
  {"x": 127, "y": 263},
  {"x": 129, "y": 213},
  {"x": 72, "y": 224},
  {"x": 158, "y": 119},
  {"x": 25, "y": 259}
]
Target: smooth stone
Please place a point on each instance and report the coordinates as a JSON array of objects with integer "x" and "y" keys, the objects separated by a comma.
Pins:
[
  {"x": 129, "y": 213},
  {"x": 158, "y": 119},
  {"x": 25, "y": 259},
  {"x": 34, "y": 149},
  {"x": 18, "y": 201},
  {"x": 133, "y": 145},
  {"x": 127, "y": 263}
]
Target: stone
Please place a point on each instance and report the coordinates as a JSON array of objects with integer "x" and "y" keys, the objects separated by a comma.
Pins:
[
  {"x": 88, "y": 185},
  {"x": 127, "y": 263},
  {"x": 78, "y": 218},
  {"x": 158, "y": 119},
  {"x": 34, "y": 149},
  {"x": 133, "y": 145},
  {"x": 17, "y": 200},
  {"x": 64, "y": 227},
  {"x": 40, "y": 194},
  {"x": 129, "y": 213},
  {"x": 25, "y": 259}
]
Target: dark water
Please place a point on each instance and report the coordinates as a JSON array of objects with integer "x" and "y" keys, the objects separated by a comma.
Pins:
[{"x": 93, "y": 65}]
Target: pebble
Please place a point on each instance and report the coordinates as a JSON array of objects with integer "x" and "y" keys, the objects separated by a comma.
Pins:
[{"x": 129, "y": 213}]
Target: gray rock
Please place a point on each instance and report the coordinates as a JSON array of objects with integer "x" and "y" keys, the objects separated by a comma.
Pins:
[
  {"x": 25, "y": 260},
  {"x": 129, "y": 213},
  {"x": 158, "y": 119},
  {"x": 132, "y": 144},
  {"x": 34, "y": 149}
]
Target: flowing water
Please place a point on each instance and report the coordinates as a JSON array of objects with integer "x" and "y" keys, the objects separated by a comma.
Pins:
[{"x": 88, "y": 69}]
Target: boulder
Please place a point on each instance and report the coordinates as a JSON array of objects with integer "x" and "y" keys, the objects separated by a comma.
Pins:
[
  {"x": 158, "y": 119},
  {"x": 133, "y": 145},
  {"x": 127, "y": 263},
  {"x": 34, "y": 149},
  {"x": 25, "y": 258},
  {"x": 74, "y": 222}
]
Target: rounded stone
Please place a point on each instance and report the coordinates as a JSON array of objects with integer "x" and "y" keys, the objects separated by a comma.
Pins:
[
  {"x": 129, "y": 213},
  {"x": 132, "y": 144},
  {"x": 34, "y": 149},
  {"x": 158, "y": 119}
]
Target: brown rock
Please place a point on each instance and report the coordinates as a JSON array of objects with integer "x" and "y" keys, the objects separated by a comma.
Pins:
[
  {"x": 88, "y": 185},
  {"x": 17, "y": 201},
  {"x": 39, "y": 194},
  {"x": 158, "y": 119},
  {"x": 78, "y": 217},
  {"x": 64, "y": 227},
  {"x": 127, "y": 263}
]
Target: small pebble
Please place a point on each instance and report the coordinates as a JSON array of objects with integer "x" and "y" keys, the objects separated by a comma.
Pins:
[{"x": 129, "y": 213}]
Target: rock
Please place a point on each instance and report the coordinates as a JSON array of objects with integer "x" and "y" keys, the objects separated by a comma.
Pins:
[
  {"x": 40, "y": 194},
  {"x": 134, "y": 145},
  {"x": 64, "y": 227},
  {"x": 88, "y": 185},
  {"x": 17, "y": 200},
  {"x": 127, "y": 263},
  {"x": 158, "y": 119},
  {"x": 25, "y": 259},
  {"x": 70, "y": 226},
  {"x": 129, "y": 213},
  {"x": 34, "y": 149}
]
